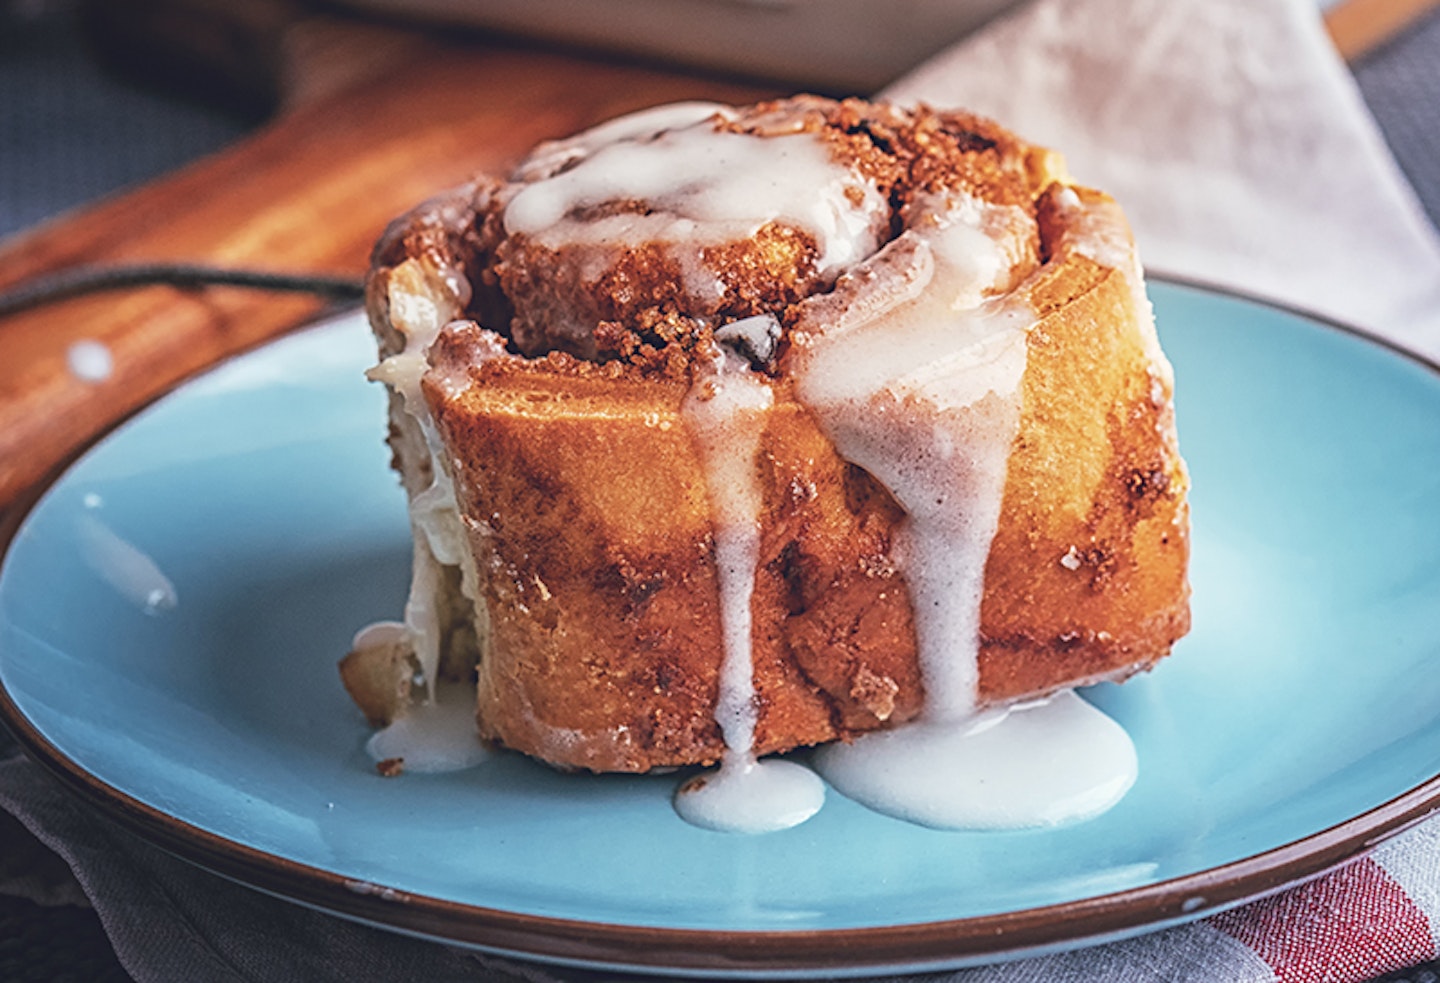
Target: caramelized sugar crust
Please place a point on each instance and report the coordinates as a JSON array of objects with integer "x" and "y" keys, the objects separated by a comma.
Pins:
[{"x": 585, "y": 501}]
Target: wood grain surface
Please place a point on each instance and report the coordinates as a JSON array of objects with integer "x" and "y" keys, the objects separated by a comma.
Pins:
[{"x": 375, "y": 120}]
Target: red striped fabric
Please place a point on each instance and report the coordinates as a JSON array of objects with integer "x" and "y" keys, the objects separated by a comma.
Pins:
[{"x": 1348, "y": 926}]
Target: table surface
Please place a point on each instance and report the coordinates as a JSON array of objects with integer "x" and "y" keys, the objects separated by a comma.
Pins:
[{"x": 58, "y": 107}]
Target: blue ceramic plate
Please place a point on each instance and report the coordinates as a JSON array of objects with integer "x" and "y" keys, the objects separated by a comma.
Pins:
[{"x": 172, "y": 609}]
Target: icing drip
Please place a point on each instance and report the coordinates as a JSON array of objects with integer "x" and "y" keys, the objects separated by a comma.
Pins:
[
  {"x": 433, "y": 736},
  {"x": 703, "y": 187},
  {"x": 918, "y": 381},
  {"x": 725, "y": 414},
  {"x": 423, "y": 300},
  {"x": 919, "y": 385}
]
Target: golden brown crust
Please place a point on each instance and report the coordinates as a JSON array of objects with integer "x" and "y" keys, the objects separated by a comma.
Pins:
[
  {"x": 584, "y": 495},
  {"x": 603, "y": 594}
]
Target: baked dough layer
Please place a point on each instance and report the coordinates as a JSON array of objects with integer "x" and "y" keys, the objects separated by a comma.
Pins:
[{"x": 597, "y": 627}]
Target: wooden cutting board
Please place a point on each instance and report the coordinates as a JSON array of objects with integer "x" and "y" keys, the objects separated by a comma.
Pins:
[{"x": 375, "y": 119}]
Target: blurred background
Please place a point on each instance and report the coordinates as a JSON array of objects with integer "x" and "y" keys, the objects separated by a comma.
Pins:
[{"x": 98, "y": 98}]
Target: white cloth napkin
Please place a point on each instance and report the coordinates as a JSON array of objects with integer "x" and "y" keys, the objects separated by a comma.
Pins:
[{"x": 1232, "y": 135}]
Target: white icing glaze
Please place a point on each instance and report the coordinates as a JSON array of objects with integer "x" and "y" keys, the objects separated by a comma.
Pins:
[
  {"x": 920, "y": 386},
  {"x": 737, "y": 548},
  {"x": 1098, "y": 231},
  {"x": 423, "y": 299},
  {"x": 725, "y": 413},
  {"x": 379, "y": 634},
  {"x": 550, "y": 158},
  {"x": 1047, "y": 763},
  {"x": 749, "y": 796},
  {"x": 1095, "y": 232},
  {"x": 918, "y": 382},
  {"x": 434, "y": 735},
  {"x": 703, "y": 187}
]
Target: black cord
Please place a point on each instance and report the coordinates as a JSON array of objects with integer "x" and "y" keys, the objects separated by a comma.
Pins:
[{"x": 92, "y": 279}]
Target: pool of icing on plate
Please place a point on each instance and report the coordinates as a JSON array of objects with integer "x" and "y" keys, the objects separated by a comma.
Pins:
[{"x": 436, "y": 733}]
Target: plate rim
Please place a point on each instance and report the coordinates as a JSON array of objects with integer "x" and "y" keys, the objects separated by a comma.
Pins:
[{"x": 910, "y": 947}]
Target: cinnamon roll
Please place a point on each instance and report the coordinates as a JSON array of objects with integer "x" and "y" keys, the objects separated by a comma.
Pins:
[{"x": 731, "y": 431}]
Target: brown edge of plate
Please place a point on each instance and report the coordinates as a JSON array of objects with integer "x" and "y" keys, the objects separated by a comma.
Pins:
[{"x": 854, "y": 951}]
